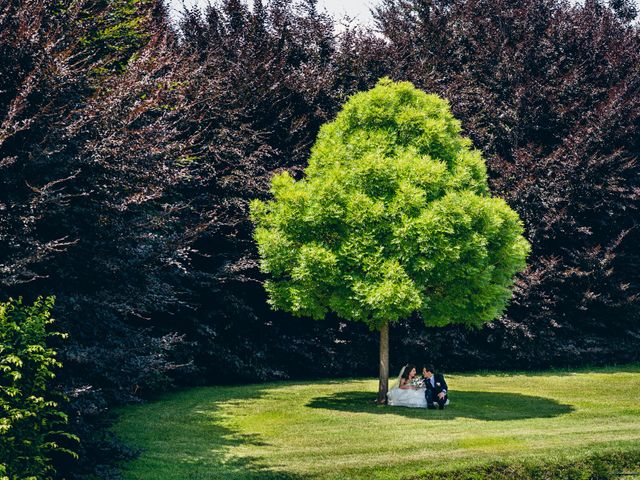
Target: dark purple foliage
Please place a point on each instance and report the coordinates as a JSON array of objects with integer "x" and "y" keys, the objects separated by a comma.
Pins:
[
  {"x": 87, "y": 152},
  {"x": 550, "y": 91}
]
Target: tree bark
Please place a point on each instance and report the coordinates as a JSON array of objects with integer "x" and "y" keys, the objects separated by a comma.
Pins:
[{"x": 383, "y": 385}]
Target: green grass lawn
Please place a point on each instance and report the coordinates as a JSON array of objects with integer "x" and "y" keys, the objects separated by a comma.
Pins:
[{"x": 333, "y": 430}]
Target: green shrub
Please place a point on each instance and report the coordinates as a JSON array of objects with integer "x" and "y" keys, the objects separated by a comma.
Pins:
[{"x": 31, "y": 420}]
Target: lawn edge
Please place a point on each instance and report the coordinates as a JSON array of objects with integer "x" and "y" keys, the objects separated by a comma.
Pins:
[{"x": 600, "y": 466}]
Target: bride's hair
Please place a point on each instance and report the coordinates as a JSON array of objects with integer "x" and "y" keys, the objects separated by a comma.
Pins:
[{"x": 407, "y": 371}]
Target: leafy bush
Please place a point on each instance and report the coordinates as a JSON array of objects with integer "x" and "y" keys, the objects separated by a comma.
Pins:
[{"x": 30, "y": 415}]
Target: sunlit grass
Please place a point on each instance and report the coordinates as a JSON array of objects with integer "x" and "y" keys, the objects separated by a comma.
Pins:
[{"x": 333, "y": 429}]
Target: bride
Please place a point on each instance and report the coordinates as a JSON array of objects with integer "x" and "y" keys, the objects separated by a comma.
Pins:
[{"x": 404, "y": 392}]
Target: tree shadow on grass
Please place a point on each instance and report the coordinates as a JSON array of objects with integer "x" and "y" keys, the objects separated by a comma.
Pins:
[
  {"x": 185, "y": 438},
  {"x": 490, "y": 406}
]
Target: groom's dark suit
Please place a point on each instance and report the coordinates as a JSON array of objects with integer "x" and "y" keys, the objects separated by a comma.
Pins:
[{"x": 434, "y": 386}]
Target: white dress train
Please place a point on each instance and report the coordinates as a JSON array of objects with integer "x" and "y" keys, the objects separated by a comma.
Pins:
[{"x": 398, "y": 397}]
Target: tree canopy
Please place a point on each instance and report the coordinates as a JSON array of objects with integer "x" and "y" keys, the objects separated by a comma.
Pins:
[{"x": 393, "y": 216}]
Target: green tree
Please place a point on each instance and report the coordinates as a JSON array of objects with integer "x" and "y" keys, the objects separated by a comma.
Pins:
[
  {"x": 393, "y": 217},
  {"x": 31, "y": 419}
]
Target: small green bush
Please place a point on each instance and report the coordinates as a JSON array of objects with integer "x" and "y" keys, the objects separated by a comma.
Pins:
[{"x": 31, "y": 420}]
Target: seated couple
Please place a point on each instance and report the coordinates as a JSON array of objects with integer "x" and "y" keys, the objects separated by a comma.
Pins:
[{"x": 428, "y": 391}]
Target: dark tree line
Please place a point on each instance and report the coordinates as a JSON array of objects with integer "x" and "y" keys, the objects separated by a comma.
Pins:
[
  {"x": 550, "y": 91},
  {"x": 88, "y": 149},
  {"x": 271, "y": 76},
  {"x": 130, "y": 147}
]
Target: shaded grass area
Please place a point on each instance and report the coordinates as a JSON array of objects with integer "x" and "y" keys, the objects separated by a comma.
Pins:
[{"x": 567, "y": 424}]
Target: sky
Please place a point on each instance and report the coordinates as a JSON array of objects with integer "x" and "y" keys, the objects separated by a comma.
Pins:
[{"x": 358, "y": 10}]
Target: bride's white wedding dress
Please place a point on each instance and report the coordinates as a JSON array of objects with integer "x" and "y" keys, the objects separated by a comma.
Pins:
[{"x": 398, "y": 397}]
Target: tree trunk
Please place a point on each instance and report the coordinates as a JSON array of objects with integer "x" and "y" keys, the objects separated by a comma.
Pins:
[{"x": 383, "y": 385}]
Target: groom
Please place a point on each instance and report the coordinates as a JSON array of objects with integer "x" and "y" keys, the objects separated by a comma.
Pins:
[{"x": 436, "y": 388}]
